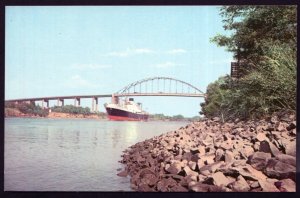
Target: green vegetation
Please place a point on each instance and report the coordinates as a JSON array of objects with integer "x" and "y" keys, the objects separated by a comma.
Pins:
[
  {"x": 263, "y": 40},
  {"x": 30, "y": 109},
  {"x": 71, "y": 109},
  {"x": 13, "y": 109},
  {"x": 101, "y": 114},
  {"x": 172, "y": 118}
]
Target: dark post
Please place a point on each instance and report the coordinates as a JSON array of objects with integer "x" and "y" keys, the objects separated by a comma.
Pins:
[{"x": 235, "y": 69}]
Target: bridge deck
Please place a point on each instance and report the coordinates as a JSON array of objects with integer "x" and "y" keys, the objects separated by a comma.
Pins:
[
  {"x": 160, "y": 94},
  {"x": 59, "y": 97},
  {"x": 130, "y": 90},
  {"x": 105, "y": 96}
]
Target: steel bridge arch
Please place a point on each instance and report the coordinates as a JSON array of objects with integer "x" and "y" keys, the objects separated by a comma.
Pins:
[{"x": 128, "y": 87}]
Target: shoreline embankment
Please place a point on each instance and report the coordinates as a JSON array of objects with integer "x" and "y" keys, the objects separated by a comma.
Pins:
[
  {"x": 11, "y": 112},
  {"x": 211, "y": 156}
]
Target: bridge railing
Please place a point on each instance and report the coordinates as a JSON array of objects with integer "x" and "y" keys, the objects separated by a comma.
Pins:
[{"x": 160, "y": 86}]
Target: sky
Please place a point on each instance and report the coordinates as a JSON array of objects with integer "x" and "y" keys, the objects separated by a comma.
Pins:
[{"x": 89, "y": 50}]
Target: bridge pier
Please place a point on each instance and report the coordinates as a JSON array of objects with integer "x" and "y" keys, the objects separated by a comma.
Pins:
[
  {"x": 60, "y": 102},
  {"x": 77, "y": 102},
  {"x": 94, "y": 104},
  {"x": 30, "y": 102},
  {"x": 47, "y": 103},
  {"x": 146, "y": 85}
]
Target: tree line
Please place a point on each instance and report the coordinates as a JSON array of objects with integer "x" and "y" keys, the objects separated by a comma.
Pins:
[
  {"x": 36, "y": 110},
  {"x": 178, "y": 117},
  {"x": 71, "y": 109},
  {"x": 263, "y": 40},
  {"x": 28, "y": 108}
]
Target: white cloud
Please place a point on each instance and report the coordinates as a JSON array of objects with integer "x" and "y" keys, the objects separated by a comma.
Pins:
[
  {"x": 139, "y": 51},
  {"x": 77, "y": 81},
  {"x": 166, "y": 65},
  {"x": 176, "y": 51},
  {"x": 130, "y": 52},
  {"x": 197, "y": 51},
  {"x": 90, "y": 66},
  {"x": 143, "y": 51}
]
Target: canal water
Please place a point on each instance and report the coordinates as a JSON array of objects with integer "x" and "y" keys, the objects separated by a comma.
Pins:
[{"x": 71, "y": 154}]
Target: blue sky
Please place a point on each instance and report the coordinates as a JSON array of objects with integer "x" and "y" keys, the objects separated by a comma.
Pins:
[{"x": 81, "y": 50}]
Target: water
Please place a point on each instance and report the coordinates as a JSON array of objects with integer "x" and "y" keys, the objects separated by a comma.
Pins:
[{"x": 71, "y": 154}]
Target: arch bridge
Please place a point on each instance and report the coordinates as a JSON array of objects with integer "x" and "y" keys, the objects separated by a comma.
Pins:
[
  {"x": 156, "y": 86},
  {"x": 160, "y": 86}
]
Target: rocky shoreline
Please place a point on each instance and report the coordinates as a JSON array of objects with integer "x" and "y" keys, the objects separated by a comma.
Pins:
[{"x": 211, "y": 156}]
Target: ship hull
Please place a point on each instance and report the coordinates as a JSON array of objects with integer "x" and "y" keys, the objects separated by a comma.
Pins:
[{"x": 122, "y": 115}]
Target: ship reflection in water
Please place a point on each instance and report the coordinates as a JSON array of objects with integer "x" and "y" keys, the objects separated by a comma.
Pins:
[{"x": 131, "y": 130}]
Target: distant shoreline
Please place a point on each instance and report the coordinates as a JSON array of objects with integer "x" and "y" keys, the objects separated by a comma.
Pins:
[{"x": 15, "y": 113}]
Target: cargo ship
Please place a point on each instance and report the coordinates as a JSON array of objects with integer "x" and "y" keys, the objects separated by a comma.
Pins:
[{"x": 126, "y": 110}]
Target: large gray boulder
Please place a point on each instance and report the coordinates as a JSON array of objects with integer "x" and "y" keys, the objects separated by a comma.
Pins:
[
  {"x": 264, "y": 147},
  {"x": 286, "y": 185},
  {"x": 288, "y": 159},
  {"x": 211, "y": 168},
  {"x": 219, "y": 179},
  {"x": 282, "y": 126},
  {"x": 290, "y": 148},
  {"x": 192, "y": 165},
  {"x": 226, "y": 145},
  {"x": 200, "y": 187},
  {"x": 268, "y": 185},
  {"x": 279, "y": 170},
  {"x": 208, "y": 158},
  {"x": 269, "y": 147},
  {"x": 144, "y": 188},
  {"x": 219, "y": 155},
  {"x": 174, "y": 168},
  {"x": 259, "y": 160},
  {"x": 246, "y": 151},
  {"x": 240, "y": 185},
  {"x": 122, "y": 173},
  {"x": 229, "y": 156},
  {"x": 165, "y": 184},
  {"x": 189, "y": 171},
  {"x": 250, "y": 173},
  {"x": 261, "y": 136},
  {"x": 178, "y": 188}
]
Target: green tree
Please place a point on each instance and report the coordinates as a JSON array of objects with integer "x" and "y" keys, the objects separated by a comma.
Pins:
[
  {"x": 71, "y": 109},
  {"x": 270, "y": 88},
  {"x": 30, "y": 109},
  {"x": 253, "y": 28},
  {"x": 177, "y": 117},
  {"x": 10, "y": 105},
  {"x": 264, "y": 39}
]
